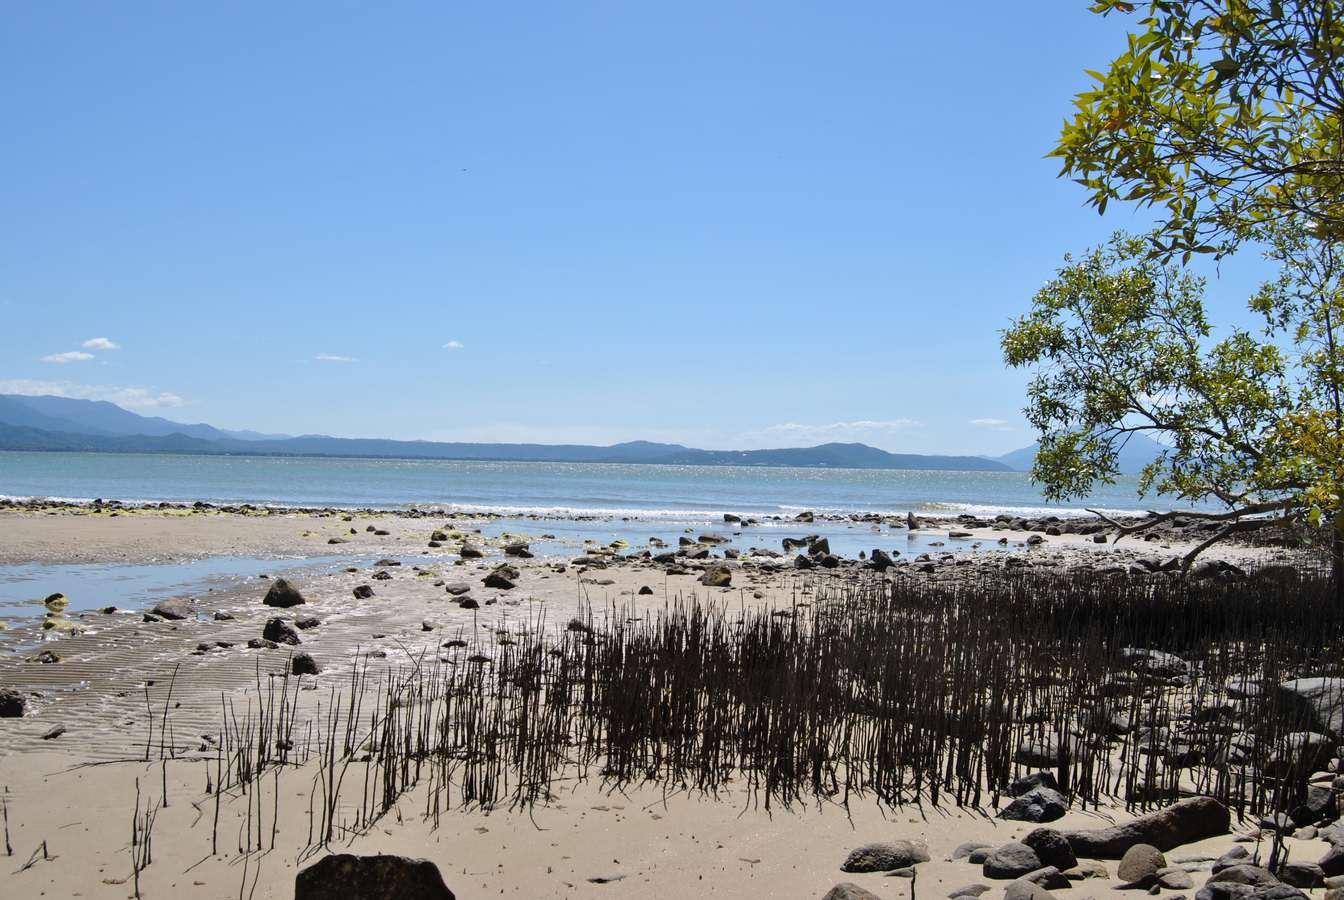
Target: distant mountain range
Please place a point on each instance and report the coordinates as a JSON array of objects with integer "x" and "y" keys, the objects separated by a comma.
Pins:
[{"x": 63, "y": 424}]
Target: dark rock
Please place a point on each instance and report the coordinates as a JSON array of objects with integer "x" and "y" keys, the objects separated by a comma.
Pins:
[
  {"x": 1040, "y": 804},
  {"x": 223, "y": 617},
  {"x": 645, "y": 591},
  {"x": 363, "y": 591},
  {"x": 1140, "y": 865},
  {"x": 1245, "y": 874},
  {"x": 1234, "y": 857},
  {"x": 970, "y": 890},
  {"x": 468, "y": 603},
  {"x": 1332, "y": 863},
  {"x": 12, "y": 704},
  {"x": 498, "y": 579},
  {"x": 53, "y": 732},
  {"x": 304, "y": 664},
  {"x": 282, "y": 594},
  {"x": 261, "y": 644},
  {"x": 518, "y": 549},
  {"x": 1026, "y": 783},
  {"x": 1183, "y": 822},
  {"x": 1174, "y": 878},
  {"x": 1302, "y": 874},
  {"x": 884, "y": 857},
  {"x": 458, "y": 588},
  {"x": 381, "y": 576},
  {"x": 717, "y": 576},
  {"x": 470, "y": 552},
  {"x": 1026, "y": 890},
  {"x": 280, "y": 631},
  {"x": 1052, "y": 848},
  {"x": 847, "y": 891},
  {"x": 344, "y": 876},
  {"x": 966, "y": 849},
  {"x": 1317, "y": 703},
  {"x": 175, "y": 608},
  {"x": 1012, "y": 860},
  {"x": 307, "y": 623}
]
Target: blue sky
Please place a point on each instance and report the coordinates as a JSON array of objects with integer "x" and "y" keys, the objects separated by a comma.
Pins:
[{"x": 722, "y": 224}]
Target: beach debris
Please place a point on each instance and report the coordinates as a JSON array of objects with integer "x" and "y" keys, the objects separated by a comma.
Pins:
[
  {"x": 1184, "y": 822},
  {"x": 341, "y": 876},
  {"x": 174, "y": 608},
  {"x": 303, "y": 664},
  {"x": 885, "y": 856},
  {"x": 12, "y": 704},
  {"x": 283, "y": 595},
  {"x": 47, "y": 657},
  {"x": 363, "y": 592},
  {"x": 280, "y": 631}
]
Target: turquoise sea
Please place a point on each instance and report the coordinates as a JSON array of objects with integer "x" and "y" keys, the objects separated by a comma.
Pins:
[{"x": 562, "y": 489}]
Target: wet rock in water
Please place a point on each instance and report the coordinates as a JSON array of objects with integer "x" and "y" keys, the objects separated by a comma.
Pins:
[
  {"x": 363, "y": 591},
  {"x": 280, "y": 631},
  {"x": 458, "y": 588},
  {"x": 911, "y": 522},
  {"x": 344, "y": 876},
  {"x": 518, "y": 549},
  {"x": 818, "y": 547},
  {"x": 304, "y": 664},
  {"x": 283, "y": 595},
  {"x": 108, "y": 610},
  {"x": 12, "y": 704},
  {"x": 849, "y": 891},
  {"x": 1052, "y": 847},
  {"x": 387, "y": 564},
  {"x": 1012, "y": 860},
  {"x": 1040, "y": 804},
  {"x": 1140, "y": 865},
  {"x": 885, "y": 857},
  {"x": 470, "y": 552},
  {"x": 307, "y": 623},
  {"x": 717, "y": 576},
  {"x": 47, "y": 657},
  {"x": 175, "y": 608},
  {"x": 880, "y": 560},
  {"x": 1184, "y": 822}
]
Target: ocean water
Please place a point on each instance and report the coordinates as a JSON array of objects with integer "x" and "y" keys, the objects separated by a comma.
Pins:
[{"x": 560, "y": 489}]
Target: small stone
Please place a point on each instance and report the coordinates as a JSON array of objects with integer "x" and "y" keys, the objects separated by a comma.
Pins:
[{"x": 363, "y": 592}]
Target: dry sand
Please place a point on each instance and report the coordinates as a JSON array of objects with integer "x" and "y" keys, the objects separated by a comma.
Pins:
[{"x": 75, "y": 793}]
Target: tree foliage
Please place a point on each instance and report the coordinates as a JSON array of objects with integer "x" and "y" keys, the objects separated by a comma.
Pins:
[
  {"x": 1224, "y": 114},
  {"x": 1121, "y": 345}
]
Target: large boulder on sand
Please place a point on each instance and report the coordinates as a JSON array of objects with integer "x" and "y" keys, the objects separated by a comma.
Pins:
[
  {"x": 343, "y": 876},
  {"x": 1040, "y": 804},
  {"x": 1140, "y": 865},
  {"x": 12, "y": 704},
  {"x": 1317, "y": 703},
  {"x": 1183, "y": 822},
  {"x": 280, "y": 632},
  {"x": 1012, "y": 860},
  {"x": 885, "y": 857},
  {"x": 849, "y": 891},
  {"x": 282, "y": 594},
  {"x": 174, "y": 608},
  {"x": 1052, "y": 848}
]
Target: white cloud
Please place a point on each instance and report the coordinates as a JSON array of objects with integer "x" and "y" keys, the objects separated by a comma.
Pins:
[
  {"x": 67, "y": 357},
  {"x": 865, "y": 431},
  {"x": 100, "y": 343},
  {"x": 454, "y": 345},
  {"x": 331, "y": 357},
  {"x": 996, "y": 424},
  {"x": 129, "y": 397}
]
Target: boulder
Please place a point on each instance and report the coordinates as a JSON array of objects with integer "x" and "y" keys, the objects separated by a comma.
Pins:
[
  {"x": 1026, "y": 890},
  {"x": 1040, "y": 804},
  {"x": 1183, "y": 822},
  {"x": 498, "y": 579},
  {"x": 304, "y": 664},
  {"x": 885, "y": 856},
  {"x": 717, "y": 576},
  {"x": 966, "y": 849},
  {"x": 518, "y": 549},
  {"x": 1140, "y": 865},
  {"x": 307, "y": 622},
  {"x": 457, "y": 588},
  {"x": 1245, "y": 874},
  {"x": 343, "y": 876},
  {"x": 845, "y": 891},
  {"x": 363, "y": 592},
  {"x": 282, "y": 594},
  {"x": 1302, "y": 875},
  {"x": 1174, "y": 878},
  {"x": 1024, "y": 784},
  {"x": 12, "y": 704},
  {"x": 1012, "y": 860},
  {"x": 1052, "y": 847},
  {"x": 1233, "y": 857},
  {"x": 1332, "y": 863},
  {"x": 280, "y": 632},
  {"x": 1316, "y": 703},
  {"x": 470, "y": 552},
  {"x": 174, "y": 608}
]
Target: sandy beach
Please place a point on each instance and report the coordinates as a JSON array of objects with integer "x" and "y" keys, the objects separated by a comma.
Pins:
[{"x": 129, "y": 698}]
